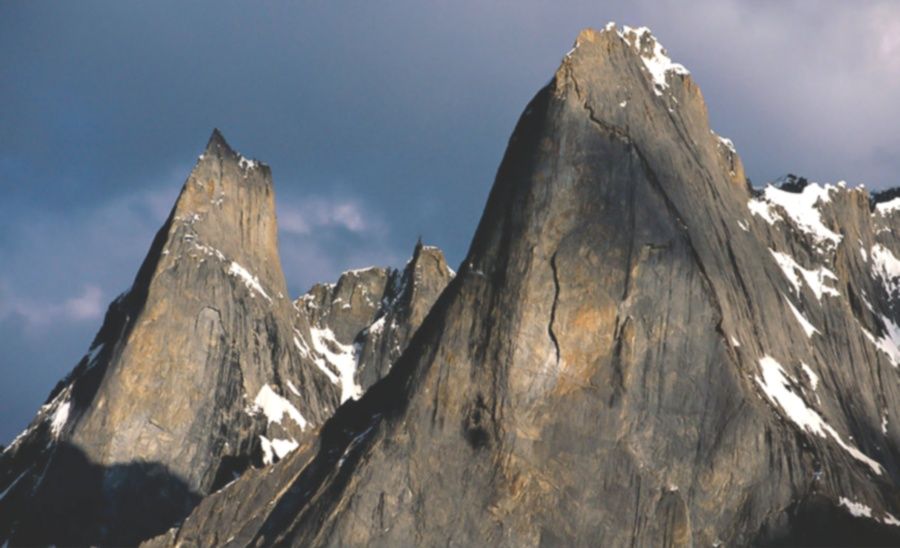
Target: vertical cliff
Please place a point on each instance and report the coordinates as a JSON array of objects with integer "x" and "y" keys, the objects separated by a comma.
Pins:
[
  {"x": 637, "y": 350},
  {"x": 193, "y": 377}
]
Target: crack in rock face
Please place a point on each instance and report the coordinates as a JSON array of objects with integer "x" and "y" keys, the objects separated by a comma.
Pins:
[{"x": 639, "y": 349}]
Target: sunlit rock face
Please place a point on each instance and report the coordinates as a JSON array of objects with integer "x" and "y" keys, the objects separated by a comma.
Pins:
[
  {"x": 204, "y": 368},
  {"x": 188, "y": 382},
  {"x": 639, "y": 349},
  {"x": 358, "y": 326}
]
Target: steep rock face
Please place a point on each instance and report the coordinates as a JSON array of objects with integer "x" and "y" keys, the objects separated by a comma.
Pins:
[
  {"x": 356, "y": 328},
  {"x": 638, "y": 350},
  {"x": 193, "y": 376},
  {"x": 414, "y": 293}
]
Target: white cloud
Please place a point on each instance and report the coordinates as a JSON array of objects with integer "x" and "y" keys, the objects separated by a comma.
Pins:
[
  {"x": 88, "y": 305},
  {"x": 884, "y": 20},
  {"x": 49, "y": 280},
  {"x": 779, "y": 66},
  {"x": 324, "y": 236},
  {"x": 64, "y": 269},
  {"x": 305, "y": 216}
]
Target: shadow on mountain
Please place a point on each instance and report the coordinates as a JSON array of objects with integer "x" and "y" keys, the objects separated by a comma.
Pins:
[
  {"x": 816, "y": 521},
  {"x": 117, "y": 325},
  {"x": 76, "y": 502},
  {"x": 346, "y": 436}
]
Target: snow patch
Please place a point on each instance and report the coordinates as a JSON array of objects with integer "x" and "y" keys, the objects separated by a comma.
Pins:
[
  {"x": 866, "y": 302},
  {"x": 283, "y": 447},
  {"x": 886, "y": 208},
  {"x": 727, "y": 143},
  {"x": 887, "y": 267},
  {"x": 860, "y": 510},
  {"x": 353, "y": 443},
  {"x": 209, "y": 251},
  {"x": 856, "y": 509},
  {"x": 59, "y": 418},
  {"x": 377, "y": 326},
  {"x": 889, "y": 342},
  {"x": 247, "y": 164},
  {"x": 268, "y": 457},
  {"x": 802, "y": 208},
  {"x": 301, "y": 345},
  {"x": 807, "y": 326},
  {"x": 251, "y": 281},
  {"x": 343, "y": 357},
  {"x": 653, "y": 55},
  {"x": 321, "y": 364},
  {"x": 276, "y": 448},
  {"x": 735, "y": 343},
  {"x": 276, "y": 407},
  {"x": 762, "y": 209},
  {"x": 811, "y": 375},
  {"x": 815, "y": 279},
  {"x": 777, "y": 389},
  {"x": 359, "y": 271}
]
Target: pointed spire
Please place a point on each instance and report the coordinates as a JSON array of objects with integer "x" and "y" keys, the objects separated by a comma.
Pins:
[
  {"x": 421, "y": 250},
  {"x": 217, "y": 144}
]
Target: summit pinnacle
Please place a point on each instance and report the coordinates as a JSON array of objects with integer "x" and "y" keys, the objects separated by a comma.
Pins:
[{"x": 638, "y": 349}]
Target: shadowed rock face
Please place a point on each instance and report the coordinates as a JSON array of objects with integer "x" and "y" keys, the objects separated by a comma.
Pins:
[
  {"x": 637, "y": 350},
  {"x": 361, "y": 324},
  {"x": 194, "y": 371},
  {"x": 203, "y": 369}
]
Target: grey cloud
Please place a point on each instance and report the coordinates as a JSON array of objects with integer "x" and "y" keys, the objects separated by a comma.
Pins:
[
  {"x": 800, "y": 86},
  {"x": 382, "y": 123}
]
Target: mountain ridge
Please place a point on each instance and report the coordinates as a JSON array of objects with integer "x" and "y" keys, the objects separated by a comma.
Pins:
[
  {"x": 196, "y": 375},
  {"x": 352, "y": 492},
  {"x": 637, "y": 349}
]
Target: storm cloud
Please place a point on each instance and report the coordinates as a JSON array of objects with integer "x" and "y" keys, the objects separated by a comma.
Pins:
[{"x": 382, "y": 122}]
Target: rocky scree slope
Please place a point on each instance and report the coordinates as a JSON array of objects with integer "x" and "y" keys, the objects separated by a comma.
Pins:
[
  {"x": 638, "y": 349},
  {"x": 202, "y": 369}
]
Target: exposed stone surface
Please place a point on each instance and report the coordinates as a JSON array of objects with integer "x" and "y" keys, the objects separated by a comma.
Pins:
[
  {"x": 368, "y": 317},
  {"x": 203, "y": 369},
  {"x": 638, "y": 350},
  {"x": 193, "y": 376}
]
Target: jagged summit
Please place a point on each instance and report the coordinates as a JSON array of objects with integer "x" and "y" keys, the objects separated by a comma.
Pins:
[
  {"x": 358, "y": 326},
  {"x": 193, "y": 377},
  {"x": 880, "y": 201},
  {"x": 628, "y": 84},
  {"x": 217, "y": 143},
  {"x": 653, "y": 55},
  {"x": 218, "y": 148},
  {"x": 636, "y": 351}
]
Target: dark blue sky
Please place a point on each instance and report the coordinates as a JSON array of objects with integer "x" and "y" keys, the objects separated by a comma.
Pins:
[{"x": 382, "y": 121}]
